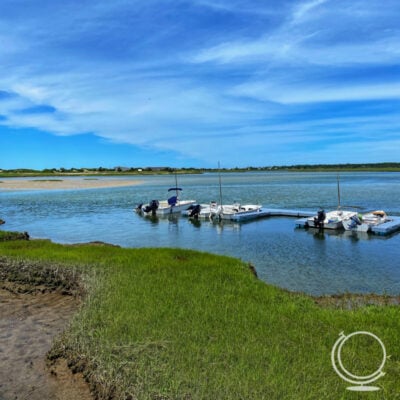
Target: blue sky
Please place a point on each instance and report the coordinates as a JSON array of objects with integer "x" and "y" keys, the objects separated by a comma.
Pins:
[{"x": 193, "y": 82}]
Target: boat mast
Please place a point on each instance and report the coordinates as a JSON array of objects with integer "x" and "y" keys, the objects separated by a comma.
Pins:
[
  {"x": 338, "y": 191},
  {"x": 176, "y": 184},
  {"x": 220, "y": 186}
]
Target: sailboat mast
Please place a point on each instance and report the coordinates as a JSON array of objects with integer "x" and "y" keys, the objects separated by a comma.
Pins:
[
  {"x": 176, "y": 184},
  {"x": 338, "y": 191},
  {"x": 220, "y": 186}
]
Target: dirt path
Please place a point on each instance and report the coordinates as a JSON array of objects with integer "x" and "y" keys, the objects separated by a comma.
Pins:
[{"x": 28, "y": 324}]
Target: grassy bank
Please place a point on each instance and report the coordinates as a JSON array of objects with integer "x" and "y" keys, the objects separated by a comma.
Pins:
[{"x": 179, "y": 324}]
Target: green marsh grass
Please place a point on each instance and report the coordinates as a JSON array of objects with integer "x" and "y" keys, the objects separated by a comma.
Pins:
[
  {"x": 47, "y": 180},
  {"x": 180, "y": 324},
  {"x": 6, "y": 236}
]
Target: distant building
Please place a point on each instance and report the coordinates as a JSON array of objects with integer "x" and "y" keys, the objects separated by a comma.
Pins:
[
  {"x": 157, "y": 168},
  {"x": 121, "y": 169}
]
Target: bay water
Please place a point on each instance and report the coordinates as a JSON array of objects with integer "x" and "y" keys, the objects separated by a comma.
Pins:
[{"x": 308, "y": 261}]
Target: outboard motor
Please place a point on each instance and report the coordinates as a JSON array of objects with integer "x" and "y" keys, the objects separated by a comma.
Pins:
[
  {"x": 319, "y": 219},
  {"x": 356, "y": 219},
  {"x": 152, "y": 207},
  {"x": 139, "y": 207},
  {"x": 195, "y": 211}
]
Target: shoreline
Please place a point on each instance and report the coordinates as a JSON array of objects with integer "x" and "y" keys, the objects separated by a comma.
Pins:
[
  {"x": 202, "y": 278},
  {"x": 64, "y": 184}
]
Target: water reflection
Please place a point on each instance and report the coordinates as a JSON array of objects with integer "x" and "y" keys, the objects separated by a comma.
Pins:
[
  {"x": 320, "y": 234},
  {"x": 175, "y": 219}
]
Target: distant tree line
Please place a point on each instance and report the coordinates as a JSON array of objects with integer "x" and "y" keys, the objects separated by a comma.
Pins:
[{"x": 384, "y": 166}]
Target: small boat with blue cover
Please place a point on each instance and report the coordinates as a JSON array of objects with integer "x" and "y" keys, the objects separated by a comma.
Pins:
[{"x": 166, "y": 207}]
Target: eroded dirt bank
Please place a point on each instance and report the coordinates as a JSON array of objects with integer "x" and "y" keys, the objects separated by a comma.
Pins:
[{"x": 28, "y": 325}]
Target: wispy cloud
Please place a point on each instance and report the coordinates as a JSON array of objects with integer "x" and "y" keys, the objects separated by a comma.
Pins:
[
  {"x": 303, "y": 9},
  {"x": 201, "y": 74},
  {"x": 290, "y": 94}
]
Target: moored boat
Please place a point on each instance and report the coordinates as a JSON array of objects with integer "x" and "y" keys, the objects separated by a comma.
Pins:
[
  {"x": 165, "y": 207},
  {"x": 240, "y": 212},
  {"x": 364, "y": 223},
  {"x": 231, "y": 212},
  {"x": 330, "y": 220}
]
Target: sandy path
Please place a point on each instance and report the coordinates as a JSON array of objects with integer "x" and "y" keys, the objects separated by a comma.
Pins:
[
  {"x": 53, "y": 184},
  {"x": 28, "y": 324}
]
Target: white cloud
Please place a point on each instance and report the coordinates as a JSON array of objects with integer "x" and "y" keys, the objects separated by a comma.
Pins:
[
  {"x": 287, "y": 93},
  {"x": 201, "y": 101},
  {"x": 303, "y": 9}
]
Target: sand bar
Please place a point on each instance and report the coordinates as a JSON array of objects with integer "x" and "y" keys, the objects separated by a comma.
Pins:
[{"x": 63, "y": 184}]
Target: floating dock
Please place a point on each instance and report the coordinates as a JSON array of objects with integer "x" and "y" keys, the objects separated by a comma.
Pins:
[
  {"x": 391, "y": 226},
  {"x": 274, "y": 212},
  {"x": 388, "y": 227},
  {"x": 301, "y": 223},
  {"x": 270, "y": 212}
]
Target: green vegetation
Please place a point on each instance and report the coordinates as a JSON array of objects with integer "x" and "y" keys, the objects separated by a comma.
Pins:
[
  {"x": 21, "y": 172},
  {"x": 6, "y": 236},
  {"x": 384, "y": 167},
  {"x": 47, "y": 180},
  {"x": 179, "y": 324}
]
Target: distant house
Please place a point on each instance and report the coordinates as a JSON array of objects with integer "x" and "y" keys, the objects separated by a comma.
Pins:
[
  {"x": 157, "y": 168},
  {"x": 121, "y": 169}
]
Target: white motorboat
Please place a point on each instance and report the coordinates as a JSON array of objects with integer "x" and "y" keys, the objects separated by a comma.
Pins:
[
  {"x": 231, "y": 212},
  {"x": 240, "y": 212},
  {"x": 364, "y": 223},
  {"x": 203, "y": 211},
  {"x": 166, "y": 207},
  {"x": 330, "y": 220}
]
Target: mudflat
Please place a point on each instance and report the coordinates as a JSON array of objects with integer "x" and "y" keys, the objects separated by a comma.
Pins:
[
  {"x": 63, "y": 184},
  {"x": 28, "y": 325}
]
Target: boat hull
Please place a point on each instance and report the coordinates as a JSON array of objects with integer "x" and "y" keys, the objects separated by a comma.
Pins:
[
  {"x": 233, "y": 212},
  {"x": 166, "y": 209},
  {"x": 242, "y": 213},
  {"x": 366, "y": 221},
  {"x": 333, "y": 219}
]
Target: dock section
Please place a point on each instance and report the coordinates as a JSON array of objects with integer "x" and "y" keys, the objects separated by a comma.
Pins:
[
  {"x": 301, "y": 223},
  {"x": 391, "y": 226},
  {"x": 276, "y": 212}
]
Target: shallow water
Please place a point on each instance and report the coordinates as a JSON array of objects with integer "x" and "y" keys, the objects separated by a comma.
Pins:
[{"x": 292, "y": 258}]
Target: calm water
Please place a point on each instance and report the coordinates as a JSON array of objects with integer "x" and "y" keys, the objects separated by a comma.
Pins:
[{"x": 291, "y": 258}]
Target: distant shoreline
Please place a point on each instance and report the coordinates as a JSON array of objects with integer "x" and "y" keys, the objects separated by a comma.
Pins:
[
  {"x": 126, "y": 172},
  {"x": 61, "y": 184}
]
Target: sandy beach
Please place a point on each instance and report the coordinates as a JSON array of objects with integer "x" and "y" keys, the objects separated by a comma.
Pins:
[{"x": 63, "y": 184}]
